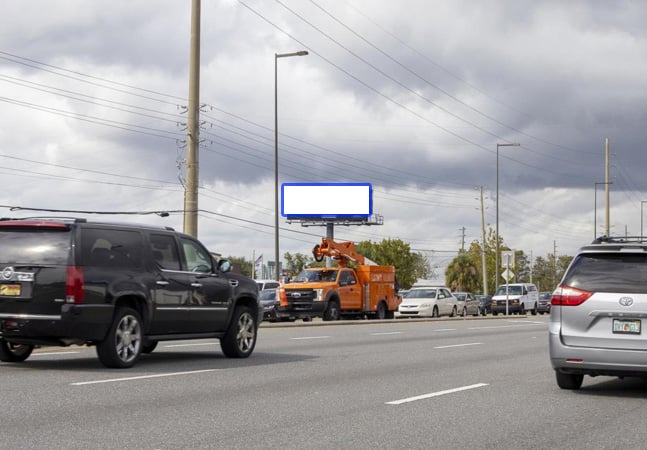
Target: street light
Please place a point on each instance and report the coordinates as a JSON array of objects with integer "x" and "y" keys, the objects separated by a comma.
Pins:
[
  {"x": 276, "y": 158},
  {"x": 595, "y": 209},
  {"x": 496, "y": 256}
]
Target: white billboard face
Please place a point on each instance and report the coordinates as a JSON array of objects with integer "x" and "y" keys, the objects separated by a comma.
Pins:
[{"x": 326, "y": 200}]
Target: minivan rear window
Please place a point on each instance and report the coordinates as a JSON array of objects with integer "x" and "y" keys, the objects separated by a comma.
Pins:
[
  {"x": 609, "y": 272},
  {"x": 32, "y": 245}
]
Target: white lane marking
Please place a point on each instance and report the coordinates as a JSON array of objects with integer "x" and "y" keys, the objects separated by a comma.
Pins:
[
  {"x": 143, "y": 377},
  {"x": 435, "y": 394},
  {"x": 386, "y": 333},
  {"x": 189, "y": 345},
  {"x": 460, "y": 345},
  {"x": 445, "y": 329},
  {"x": 309, "y": 337},
  {"x": 506, "y": 326},
  {"x": 53, "y": 353}
]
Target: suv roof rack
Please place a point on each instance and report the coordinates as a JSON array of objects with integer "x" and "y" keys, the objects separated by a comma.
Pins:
[
  {"x": 620, "y": 240},
  {"x": 59, "y": 218}
]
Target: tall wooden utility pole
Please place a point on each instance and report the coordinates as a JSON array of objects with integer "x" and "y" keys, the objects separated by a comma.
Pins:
[{"x": 193, "y": 127}]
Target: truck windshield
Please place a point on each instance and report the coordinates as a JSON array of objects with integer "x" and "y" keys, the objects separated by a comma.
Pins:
[{"x": 316, "y": 275}]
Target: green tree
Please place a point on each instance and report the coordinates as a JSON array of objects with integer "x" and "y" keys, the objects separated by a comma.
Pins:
[
  {"x": 297, "y": 262},
  {"x": 241, "y": 265},
  {"x": 409, "y": 266},
  {"x": 463, "y": 274}
]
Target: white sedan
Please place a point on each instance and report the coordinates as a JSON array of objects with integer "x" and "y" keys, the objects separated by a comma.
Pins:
[{"x": 428, "y": 302}]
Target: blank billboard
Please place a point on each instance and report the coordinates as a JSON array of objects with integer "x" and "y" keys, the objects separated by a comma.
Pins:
[{"x": 326, "y": 200}]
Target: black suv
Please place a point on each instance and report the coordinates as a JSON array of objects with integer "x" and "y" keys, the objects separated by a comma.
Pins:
[{"x": 119, "y": 287}]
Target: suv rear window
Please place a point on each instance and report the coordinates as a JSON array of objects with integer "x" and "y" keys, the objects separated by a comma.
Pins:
[
  {"x": 609, "y": 272},
  {"x": 31, "y": 245}
]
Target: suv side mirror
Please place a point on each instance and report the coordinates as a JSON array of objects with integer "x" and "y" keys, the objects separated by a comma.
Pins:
[{"x": 224, "y": 265}]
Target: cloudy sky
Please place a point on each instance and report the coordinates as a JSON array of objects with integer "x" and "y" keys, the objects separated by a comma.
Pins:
[{"x": 411, "y": 96}]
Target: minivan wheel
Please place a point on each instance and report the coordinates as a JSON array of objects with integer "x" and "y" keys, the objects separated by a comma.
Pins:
[
  {"x": 122, "y": 346},
  {"x": 240, "y": 338},
  {"x": 14, "y": 352},
  {"x": 571, "y": 381}
]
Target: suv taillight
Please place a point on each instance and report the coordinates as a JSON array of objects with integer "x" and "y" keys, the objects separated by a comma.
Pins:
[
  {"x": 569, "y": 296},
  {"x": 74, "y": 291}
]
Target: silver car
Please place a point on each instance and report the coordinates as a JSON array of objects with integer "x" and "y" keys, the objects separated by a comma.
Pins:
[{"x": 597, "y": 311}]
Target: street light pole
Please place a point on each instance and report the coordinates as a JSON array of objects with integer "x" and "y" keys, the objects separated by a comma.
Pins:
[
  {"x": 276, "y": 158},
  {"x": 496, "y": 255}
]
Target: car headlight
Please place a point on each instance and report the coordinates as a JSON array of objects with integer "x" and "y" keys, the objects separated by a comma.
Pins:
[{"x": 318, "y": 295}]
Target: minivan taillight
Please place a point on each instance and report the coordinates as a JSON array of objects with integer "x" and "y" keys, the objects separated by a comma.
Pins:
[
  {"x": 569, "y": 296},
  {"x": 74, "y": 291}
]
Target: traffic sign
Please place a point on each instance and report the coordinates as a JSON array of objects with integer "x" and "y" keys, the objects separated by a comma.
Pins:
[{"x": 507, "y": 274}]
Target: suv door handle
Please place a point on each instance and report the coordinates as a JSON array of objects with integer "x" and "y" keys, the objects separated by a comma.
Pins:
[
  {"x": 196, "y": 284},
  {"x": 162, "y": 283}
]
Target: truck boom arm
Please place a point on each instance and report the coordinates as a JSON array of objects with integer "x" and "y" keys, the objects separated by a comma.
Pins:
[{"x": 342, "y": 252}]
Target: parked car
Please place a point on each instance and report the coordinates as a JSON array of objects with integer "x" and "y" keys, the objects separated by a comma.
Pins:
[
  {"x": 544, "y": 302},
  {"x": 515, "y": 298},
  {"x": 120, "y": 288},
  {"x": 467, "y": 303},
  {"x": 428, "y": 302},
  {"x": 269, "y": 302},
  {"x": 485, "y": 304},
  {"x": 598, "y": 309},
  {"x": 267, "y": 284}
]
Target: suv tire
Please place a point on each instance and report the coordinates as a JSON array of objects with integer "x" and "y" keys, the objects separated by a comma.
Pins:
[
  {"x": 123, "y": 345},
  {"x": 240, "y": 339},
  {"x": 14, "y": 352}
]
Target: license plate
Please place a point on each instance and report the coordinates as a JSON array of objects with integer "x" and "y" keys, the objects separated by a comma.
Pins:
[
  {"x": 626, "y": 326},
  {"x": 10, "y": 289}
]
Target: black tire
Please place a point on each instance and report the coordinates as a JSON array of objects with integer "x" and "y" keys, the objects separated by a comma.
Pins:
[
  {"x": 434, "y": 312},
  {"x": 122, "y": 347},
  {"x": 240, "y": 339},
  {"x": 332, "y": 311},
  {"x": 148, "y": 348},
  {"x": 380, "y": 313},
  {"x": 14, "y": 352},
  {"x": 570, "y": 381},
  {"x": 454, "y": 312},
  {"x": 307, "y": 319},
  {"x": 494, "y": 313},
  {"x": 464, "y": 314},
  {"x": 534, "y": 310}
]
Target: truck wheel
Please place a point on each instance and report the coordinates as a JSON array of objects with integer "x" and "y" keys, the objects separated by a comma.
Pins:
[
  {"x": 380, "y": 314},
  {"x": 14, "y": 352},
  {"x": 332, "y": 312},
  {"x": 240, "y": 339},
  {"x": 123, "y": 345}
]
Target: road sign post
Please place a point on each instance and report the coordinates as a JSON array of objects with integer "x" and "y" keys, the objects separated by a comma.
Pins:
[{"x": 507, "y": 259}]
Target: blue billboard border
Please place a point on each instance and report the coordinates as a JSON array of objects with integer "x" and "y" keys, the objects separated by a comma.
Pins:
[{"x": 329, "y": 216}]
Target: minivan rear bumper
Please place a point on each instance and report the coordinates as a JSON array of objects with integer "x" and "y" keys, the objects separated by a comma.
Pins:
[
  {"x": 76, "y": 324},
  {"x": 595, "y": 361}
]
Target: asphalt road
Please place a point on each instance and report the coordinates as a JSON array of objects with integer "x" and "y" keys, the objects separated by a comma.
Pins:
[{"x": 446, "y": 384}]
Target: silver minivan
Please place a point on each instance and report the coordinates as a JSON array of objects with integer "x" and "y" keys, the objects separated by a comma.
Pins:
[{"x": 597, "y": 313}]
